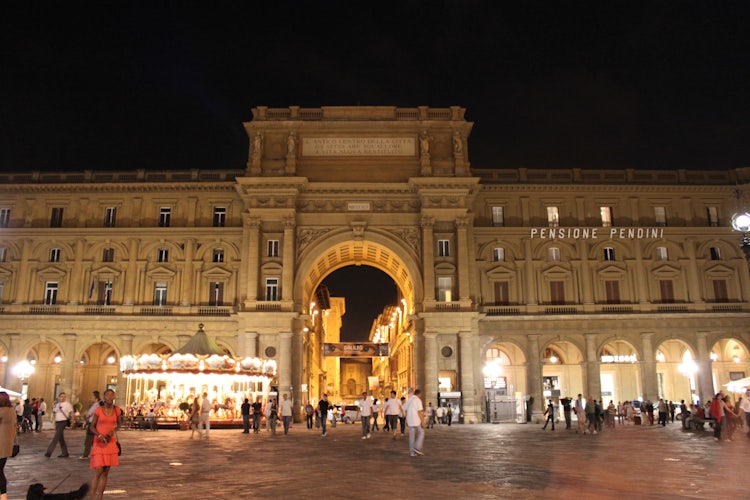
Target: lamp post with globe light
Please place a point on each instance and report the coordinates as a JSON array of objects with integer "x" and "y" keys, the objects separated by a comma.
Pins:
[{"x": 741, "y": 223}]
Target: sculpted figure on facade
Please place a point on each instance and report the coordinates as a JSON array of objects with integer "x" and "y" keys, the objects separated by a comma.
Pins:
[
  {"x": 291, "y": 145},
  {"x": 458, "y": 144},
  {"x": 424, "y": 143}
]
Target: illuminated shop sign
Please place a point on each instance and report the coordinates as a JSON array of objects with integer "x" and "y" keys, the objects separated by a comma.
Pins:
[
  {"x": 631, "y": 358},
  {"x": 593, "y": 233}
]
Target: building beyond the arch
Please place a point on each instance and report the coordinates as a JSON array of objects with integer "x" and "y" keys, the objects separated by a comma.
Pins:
[{"x": 619, "y": 284}]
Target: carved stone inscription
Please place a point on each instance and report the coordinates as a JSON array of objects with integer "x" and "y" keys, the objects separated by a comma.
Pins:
[{"x": 359, "y": 146}]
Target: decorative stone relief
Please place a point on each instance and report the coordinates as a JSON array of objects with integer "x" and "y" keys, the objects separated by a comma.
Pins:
[
  {"x": 410, "y": 236},
  {"x": 307, "y": 236}
]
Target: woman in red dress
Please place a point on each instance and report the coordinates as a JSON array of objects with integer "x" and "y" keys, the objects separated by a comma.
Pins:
[{"x": 104, "y": 453}]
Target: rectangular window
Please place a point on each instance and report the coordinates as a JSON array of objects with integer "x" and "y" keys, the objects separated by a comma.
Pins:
[
  {"x": 553, "y": 254},
  {"x": 217, "y": 293},
  {"x": 713, "y": 216},
  {"x": 57, "y": 217},
  {"x": 606, "y": 216},
  {"x": 160, "y": 293},
  {"x": 165, "y": 216},
  {"x": 445, "y": 288},
  {"x": 715, "y": 253},
  {"x": 50, "y": 293},
  {"x": 444, "y": 248},
  {"x": 498, "y": 254},
  {"x": 108, "y": 255},
  {"x": 162, "y": 255},
  {"x": 502, "y": 297},
  {"x": 110, "y": 216},
  {"x": 273, "y": 248},
  {"x": 557, "y": 292},
  {"x": 612, "y": 291},
  {"x": 660, "y": 216},
  {"x": 3, "y": 254},
  {"x": 609, "y": 253},
  {"x": 218, "y": 255},
  {"x": 720, "y": 291},
  {"x": 105, "y": 293},
  {"x": 553, "y": 217},
  {"x": 498, "y": 216},
  {"x": 272, "y": 289},
  {"x": 4, "y": 217},
  {"x": 666, "y": 291},
  {"x": 661, "y": 253},
  {"x": 220, "y": 216},
  {"x": 54, "y": 255}
]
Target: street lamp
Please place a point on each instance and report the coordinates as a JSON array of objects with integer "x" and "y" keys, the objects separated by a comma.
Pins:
[
  {"x": 23, "y": 370},
  {"x": 741, "y": 223}
]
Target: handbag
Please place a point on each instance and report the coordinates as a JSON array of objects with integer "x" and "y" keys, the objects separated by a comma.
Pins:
[{"x": 16, "y": 448}]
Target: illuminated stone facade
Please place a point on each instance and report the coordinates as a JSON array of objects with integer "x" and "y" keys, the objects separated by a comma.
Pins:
[{"x": 553, "y": 273}]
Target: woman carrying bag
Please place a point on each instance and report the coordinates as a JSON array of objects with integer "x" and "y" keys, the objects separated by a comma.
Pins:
[{"x": 105, "y": 452}]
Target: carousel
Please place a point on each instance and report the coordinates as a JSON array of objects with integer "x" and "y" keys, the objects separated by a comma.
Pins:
[{"x": 168, "y": 383}]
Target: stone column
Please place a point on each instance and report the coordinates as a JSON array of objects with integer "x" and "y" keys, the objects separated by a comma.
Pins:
[
  {"x": 248, "y": 344},
  {"x": 126, "y": 349},
  {"x": 468, "y": 345},
  {"x": 68, "y": 366},
  {"x": 593, "y": 375},
  {"x": 705, "y": 371},
  {"x": 534, "y": 376},
  {"x": 13, "y": 358},
  {"x": 75, "y": 291},
  {"x": 131, "y": 275},
  {"x": 430, "y": 367},
  {"x": 288, "y": 260},
  {"x": 648, "y": 367},
  {"x": 284, "y": 368},
  {"x": 464, "y": 294},
  {"x": 187, "y": 273},
  {"x": 428, "y": 258},
  {"x": 252, "y": 247}
]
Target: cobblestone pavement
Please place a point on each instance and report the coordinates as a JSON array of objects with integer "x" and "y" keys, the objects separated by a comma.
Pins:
[{"x": 461, "y": 461}]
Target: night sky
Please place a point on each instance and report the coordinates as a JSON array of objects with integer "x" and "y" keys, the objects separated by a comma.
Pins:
[{"x": 105, "y": 85}]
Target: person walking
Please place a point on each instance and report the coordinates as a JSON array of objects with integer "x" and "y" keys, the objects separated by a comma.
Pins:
[
  {"x": 309, "y": 412},
  {"x": 272, "y": 416},
  {"x": 663, "y": 409},
  {"x": 206, "y": 415},
  {"x": 286, "y": 413},
  {"x": 365, "y": 413},
  {"x": 195, "y": 418},
  {"x": 63, "y": 412},
  {"x": 323, "y": 409},
  {"x": 375, "y": 415},
  {"x": 7, "y": 438},
  {"x": 89, "y": 440},
  {"x": 415, "y": 422},
  {"x": 40, "y": 415},
  {"x": 105, "y": 452},
  {"x": 393, "y": 411},
  {"x": 257, "y": 415},
  {"x": 716, "y": 411},
  {"x": 550, "y": 413},
  {"x": 430, "y": 415},
  {"x": 245, "y": 412}
]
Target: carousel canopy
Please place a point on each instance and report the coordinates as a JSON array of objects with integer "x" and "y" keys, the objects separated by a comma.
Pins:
[{"x": 201, "y": 345}]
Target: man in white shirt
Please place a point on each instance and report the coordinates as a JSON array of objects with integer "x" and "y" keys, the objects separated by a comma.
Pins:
[
  {"x": 286, "y": 413},
  {"x": 205, "y": 414},
  {"x": 415, "y": 422},
  {"x": 393, "y": 410},
  {"x": 63, "y": 411},
  {"x": 366, "y": 413}
]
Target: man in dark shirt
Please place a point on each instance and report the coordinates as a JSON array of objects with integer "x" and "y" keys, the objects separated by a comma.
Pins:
[
  {"x": 245, "y": 411},
  {"x": 565, "y": 402},
  {"x": 323, "y": 408},
  {"x": 257, "y": 414}
]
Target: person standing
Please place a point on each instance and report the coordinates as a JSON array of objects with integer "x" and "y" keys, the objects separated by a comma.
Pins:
[
  {"x": 393, "y": 410},
  {"x": 430, "y": 415},
  {"x": 375, "y": 415},
  {"x": 40, "y": 415},
  {"x": 745, "y": 406},
  {"x": 195, "y": 418},
  {"x": 550, "y": 413},
  {"x": 309, "y": 412},
  {"x": 89, "y": 440},
  {"x": 566, "y": 404},
  {"x": 257, "y": 415},
  {"x": 323, "y": 409},
  {"x": 205, "y": 415},
  {"x": 449, "y": 414},
  {"x": 7, "y": 438},
  {"x": 286, "y": 413},
  {"x": 365, "y": 413},
  {"x": 580, "y": 409},
  {"x": 63, "y": 412},
  {"x": 245, "y": 412},
  {"x": 272, "y": 416},
  {"x": 105, "y": 452},
  {"x": 415, "y": 421}
]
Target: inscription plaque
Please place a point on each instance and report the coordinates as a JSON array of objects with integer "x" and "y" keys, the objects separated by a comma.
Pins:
[{"x": 359, "y": 146}]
